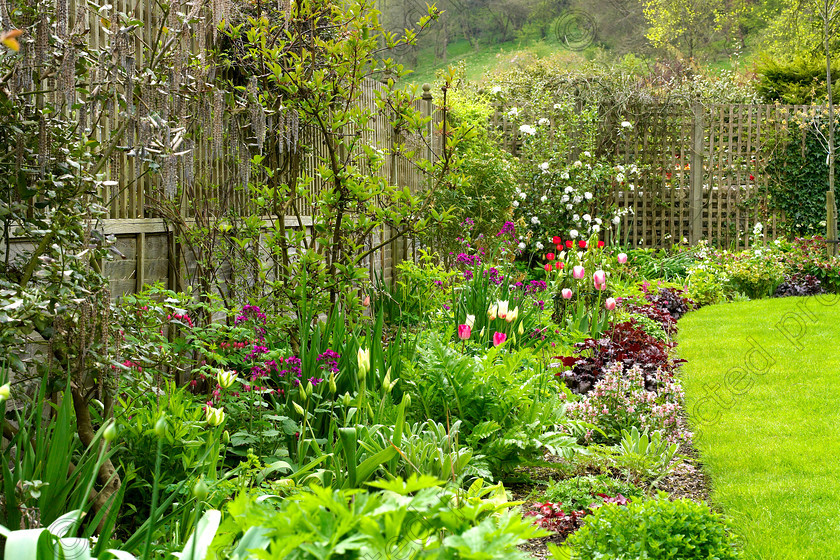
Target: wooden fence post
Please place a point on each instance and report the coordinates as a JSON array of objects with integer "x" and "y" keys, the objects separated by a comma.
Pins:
[{"x": 695, "y": 200}]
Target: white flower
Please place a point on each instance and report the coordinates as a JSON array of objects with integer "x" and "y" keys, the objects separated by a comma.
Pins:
[
  {"x": 577, "y": 199},
  {"x": 569, "y": 206},
  {"x": 573, "y": 234},
  {"x": 523, "y": 196},
  {"x": 496, "y": 89},
  {"x": 587, "y": 218},
  {"x": 543, "y": 198},
  {"x": 587, "y": 154},
  {"x": 587, "y": 195},
  {"x": 578, "y": 163},
  {"x": 527, "y": 129},
  {"x": 564, "y": 199},
  {"x": 516, "y": 204},
  {"x": 543, "y": 121},
  {"x": 514, "y": 112},
  {"x": 544, "y": 166},
  {"x": 558, "y": 106},
  {"x": 539, "y": 246},
  {"x": 757, "y": 228},
  {"x": 564, "y": 175},
  {"x": 535, "y": 220},
  {"x": 625, "y": 124},
  {"x": 620, "y": 177},
  {"x": 576, "y": 218},
  {"x": 595, "y": 228},
  {"x": 568, "y": 189},
  {"x": 521, "y": 246},
  {"x": 599, "y": 221},
  {"x": 616, "y": 220}
]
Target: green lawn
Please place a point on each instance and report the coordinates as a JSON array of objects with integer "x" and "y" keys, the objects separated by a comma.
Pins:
[{"x": 763, "y": 390}]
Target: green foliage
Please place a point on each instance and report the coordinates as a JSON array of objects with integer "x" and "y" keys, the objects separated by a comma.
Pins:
[
  {"x": 756, "y": 272},
  {"x": 706, "y": 285},
  {"x": 320, "y": 522},
  {"x": 480, "y": 195},
  {"x": 580, "y": 492},
  {"x": 799, "y": 80},
  {"x": 799, "y": 176},
  {"x": 657, "y": 528},
  {"x": 644, "y": 458}
]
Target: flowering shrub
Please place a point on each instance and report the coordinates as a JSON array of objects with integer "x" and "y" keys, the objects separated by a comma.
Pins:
[
  {"x": 756, "y": 272},
  {"x": 621, "y": 400},
  {"x": 810, "y": 256}
]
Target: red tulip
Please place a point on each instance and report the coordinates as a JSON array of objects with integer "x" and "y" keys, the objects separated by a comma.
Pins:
[
  {"x": 549, "y": 256},
  {"x": 547, "y": 267},
  {"x": 558, "y": 265},
  {"x": 499, "y": 338},
  {"x": 569, "y": 244},
  {"x": 752, "y": 178},
  {"x": 582, "y": 244},
  {"x": 600, "y": 244},
  {"x": 556, "y": 240},
  {"x": 464, "y": 332}
]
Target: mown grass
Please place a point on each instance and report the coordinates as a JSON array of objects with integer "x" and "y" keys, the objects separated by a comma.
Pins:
[{"x": 763, "y": 392}]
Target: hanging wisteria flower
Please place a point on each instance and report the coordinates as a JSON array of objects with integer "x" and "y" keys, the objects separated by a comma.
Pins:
[{"x": 527, "y": 129}]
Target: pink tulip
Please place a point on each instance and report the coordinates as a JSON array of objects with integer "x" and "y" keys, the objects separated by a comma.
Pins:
[
  {"x": 566, "y": 293},
  {"x": 600, "y": 277},
  {"x": 622, "y": 258},
  {"x": 578, "y": 272},
  {"x": 601, "y": 287},
  {"x": 499, "y": 338},
  {"x": 366, "y": 302},
  {"x": 464, "y": 332},
  {"x": 610, "y": 304}
]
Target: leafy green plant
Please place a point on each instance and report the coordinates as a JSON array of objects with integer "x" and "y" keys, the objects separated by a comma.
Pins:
[
  {"x": 580, "y": 492},
  {"x": 657, "y": 528},
  {"x": 406, "y": 517},
  {"x": 644, "y": 457}
]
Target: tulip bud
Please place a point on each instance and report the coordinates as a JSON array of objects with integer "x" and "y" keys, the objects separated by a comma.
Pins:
[
  {"x": 622, "y": 258},
  {"x": 5, "y": 392},
  {"x": 298, "y": 408},
  {"x": 346, "y": 399},
  {"x": 407, "y": 400},
  {"x": 521, "y": 329},
  {"x": 363, "y": 359},
  {"x": 160, "y": 427},
  {"x": 110, "y": 432},
  {"x": 386, "y": 382},
  {"x": 470, "y": 321},
  {"x": 200, "y": 490},
  {"x": 333, "y": 387},
  {"x": 306, "y": 390},
  {"x": 215, "y": 416},
  {"x": 610, "y": 304},
  {"x": 226, "y": 437},
  {"x": 492, "y": 311},
  {"x": 566, "y": 293}
]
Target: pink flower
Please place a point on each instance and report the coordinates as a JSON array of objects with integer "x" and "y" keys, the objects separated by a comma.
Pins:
[
  {"x": 600, "y": 277},
  {"x": 499, "y": 338},
  {"x": 464, "y": 332},
  {"x": 610, "y": 304},
  {"x": 578, "y": 272},
  {"x": 600, "y": 287},
  {"x": 622, "y": 258},
  {"x": 567, "y": 293}
]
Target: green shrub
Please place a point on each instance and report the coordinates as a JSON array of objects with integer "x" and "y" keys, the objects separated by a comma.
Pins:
[
  {"x": 582, "y": 491},
  {"x": 656, "y": 528}
]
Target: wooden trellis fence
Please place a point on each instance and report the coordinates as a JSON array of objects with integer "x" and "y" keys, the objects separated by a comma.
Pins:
[
  {"x": 704, "y": 170},
  {"x": 177, "y": 138}
]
